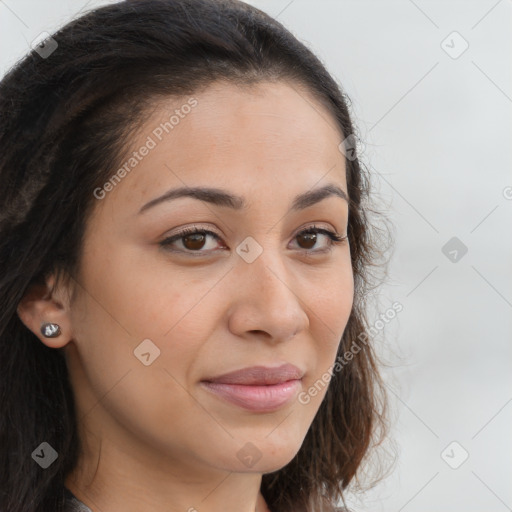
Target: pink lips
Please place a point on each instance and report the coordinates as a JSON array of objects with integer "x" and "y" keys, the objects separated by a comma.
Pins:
[{"x": 258, "y": 388}]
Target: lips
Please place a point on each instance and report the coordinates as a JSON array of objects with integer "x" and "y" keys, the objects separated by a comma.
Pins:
[
  {"x": 258, "y": 388},
  {"x": 259, "y": 375}
]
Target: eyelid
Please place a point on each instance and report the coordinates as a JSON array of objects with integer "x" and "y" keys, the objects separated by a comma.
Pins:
[
  {"x": 191, "y": 230},
  {"x": 198, "y": 227}
]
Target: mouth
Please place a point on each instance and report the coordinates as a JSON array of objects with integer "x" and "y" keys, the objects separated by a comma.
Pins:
[{"x": 258, "y": 388}]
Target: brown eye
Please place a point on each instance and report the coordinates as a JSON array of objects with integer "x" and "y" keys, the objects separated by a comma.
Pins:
[
  {"x": 194, "y": 241},
  {"x": 308, "y": 239}
]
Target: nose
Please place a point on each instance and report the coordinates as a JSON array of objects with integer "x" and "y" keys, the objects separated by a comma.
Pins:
[{"x": 266, "y": 302}]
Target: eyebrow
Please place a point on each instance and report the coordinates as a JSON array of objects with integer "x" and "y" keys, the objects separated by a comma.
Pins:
[{"x": 220, "y": 197}]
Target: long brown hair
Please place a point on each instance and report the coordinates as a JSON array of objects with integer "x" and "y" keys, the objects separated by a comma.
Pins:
[{"x": 66, "y": 111}]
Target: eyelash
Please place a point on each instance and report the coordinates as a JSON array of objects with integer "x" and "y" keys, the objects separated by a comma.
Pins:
[{"x": 333, "y": 237}]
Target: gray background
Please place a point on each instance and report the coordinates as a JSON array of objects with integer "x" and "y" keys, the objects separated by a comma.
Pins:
[{"x": 437, "y": 130}]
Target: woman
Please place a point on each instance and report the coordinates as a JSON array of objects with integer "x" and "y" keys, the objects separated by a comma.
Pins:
[{"x": 184, "y": 251}]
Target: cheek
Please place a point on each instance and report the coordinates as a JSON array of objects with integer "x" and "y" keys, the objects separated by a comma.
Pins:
[
  {"x": 139, "y": 396},
  {"x": 140, "y": 291},
  {"x": 330, "y": 306},
  {"x": 329, "y": 299},
  {"x": 124, "y": 302}
]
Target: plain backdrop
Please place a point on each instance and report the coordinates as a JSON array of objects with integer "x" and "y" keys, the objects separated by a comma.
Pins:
[{"x": 430, "y": 84}]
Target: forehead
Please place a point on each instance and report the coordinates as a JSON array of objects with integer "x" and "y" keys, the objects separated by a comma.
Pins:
[
  {"x": 263, "y": 115},
  {"x": 253, "y": 138}
]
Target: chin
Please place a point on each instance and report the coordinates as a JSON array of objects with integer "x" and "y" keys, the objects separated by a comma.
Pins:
[{"x": 265, "y": 455}]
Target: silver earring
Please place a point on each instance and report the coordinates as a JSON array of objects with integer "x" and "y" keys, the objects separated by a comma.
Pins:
[{"x": 50, "y": 330}]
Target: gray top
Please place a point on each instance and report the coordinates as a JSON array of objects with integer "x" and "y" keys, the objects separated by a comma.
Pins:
[{"x": 73, "y": 504}]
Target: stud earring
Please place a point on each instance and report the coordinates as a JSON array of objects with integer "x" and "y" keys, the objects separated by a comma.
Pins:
[{"x": 50, "y": 330}]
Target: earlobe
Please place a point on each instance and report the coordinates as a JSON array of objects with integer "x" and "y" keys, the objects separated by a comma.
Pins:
[{"x": 44, "y": 315}]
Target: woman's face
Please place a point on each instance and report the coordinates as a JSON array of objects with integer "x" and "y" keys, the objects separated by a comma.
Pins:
[{"x": 152, "y": 321}]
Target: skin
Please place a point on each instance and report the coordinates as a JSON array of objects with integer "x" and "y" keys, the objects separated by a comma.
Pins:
[{"x": 153, "y": 438}]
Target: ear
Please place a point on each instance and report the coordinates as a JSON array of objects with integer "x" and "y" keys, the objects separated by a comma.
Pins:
[{"x": 40, "y": 304}]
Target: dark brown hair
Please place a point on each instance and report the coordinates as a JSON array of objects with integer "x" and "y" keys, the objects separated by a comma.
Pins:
[{"x": 64, "y": 122}]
